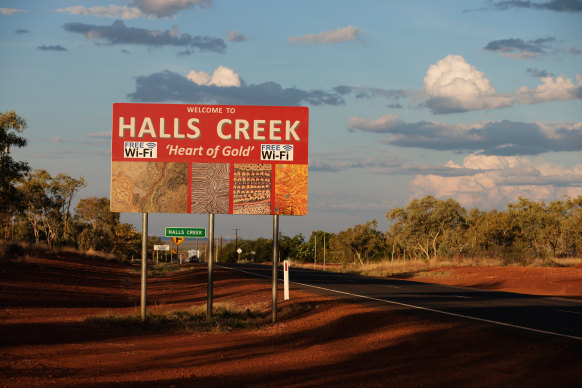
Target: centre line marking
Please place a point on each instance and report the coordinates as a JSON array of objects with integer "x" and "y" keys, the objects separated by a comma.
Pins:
[{"x": 424, "y": 308}]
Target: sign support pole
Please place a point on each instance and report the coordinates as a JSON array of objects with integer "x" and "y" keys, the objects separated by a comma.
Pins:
[
  {"x": 144, "y": 258},
  {"x": 275, "y": 264},
  {"x": 210, "y": 265}
]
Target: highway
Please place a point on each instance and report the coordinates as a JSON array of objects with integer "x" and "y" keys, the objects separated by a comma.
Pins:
[{"x": 544, "y": 315}]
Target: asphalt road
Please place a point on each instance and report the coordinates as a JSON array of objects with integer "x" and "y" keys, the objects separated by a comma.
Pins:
[{"x": 545, "y": 315}]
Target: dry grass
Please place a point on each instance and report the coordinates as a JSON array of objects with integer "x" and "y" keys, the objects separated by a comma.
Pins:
[
  {"x": 226, "y": 316},
  {"x": 399, "y": 268}
]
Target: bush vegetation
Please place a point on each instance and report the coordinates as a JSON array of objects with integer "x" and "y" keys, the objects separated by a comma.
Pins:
[{"x": 38, "y": 208}]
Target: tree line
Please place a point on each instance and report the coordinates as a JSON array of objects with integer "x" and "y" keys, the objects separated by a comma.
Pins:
[
  {"x": 431, "y": 229},
  {"x": 37, "y": 207}
]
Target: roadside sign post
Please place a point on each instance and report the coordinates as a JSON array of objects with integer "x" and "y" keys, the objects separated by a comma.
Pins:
[
  {"x": 275, "y": 264},
  {"x": 254, "y": 157},
  {"x": 210, "y": 265},
  {"x": 159, "y": 248},
  {"x": 177, "y": 241},
  {"x": 144, "y": 249}
]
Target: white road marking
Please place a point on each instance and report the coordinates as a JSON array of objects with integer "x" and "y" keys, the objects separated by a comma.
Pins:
[{"x": 424, "y": 308}]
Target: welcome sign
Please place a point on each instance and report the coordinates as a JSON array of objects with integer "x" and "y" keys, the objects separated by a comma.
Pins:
[{"x": 222, "y": 159}]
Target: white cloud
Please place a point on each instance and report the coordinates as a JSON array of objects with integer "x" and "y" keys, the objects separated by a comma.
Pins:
[
  {"x": 222, "y": 76},
  {"x": 345, "y": 34},
  {"x": 11, "y": 11},
  {"x": 499, "y": 180},
  {"x": 112, "y": 11},
  {"x": 199, "y": 77},
  {"x": 453, "y": 85},
  {"x": 551, "y": 90}
]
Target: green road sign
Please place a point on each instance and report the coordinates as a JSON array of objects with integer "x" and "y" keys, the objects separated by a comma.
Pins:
[{"x": 186, "y": 232}]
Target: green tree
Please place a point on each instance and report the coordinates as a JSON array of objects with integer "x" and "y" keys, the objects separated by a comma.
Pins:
[
  {"x": 64, "y": 189},
  {"x": 98, "y": 224},
  {"x": 10, "y": 170},
  {"x": 47, "y": 203},
  {"x": 424, "y": 221},
  {"x": 363, "y": 241},
  {"x": 101, "y": 230},
  {"x": 289, "y": 247},
  {"x": 38, "y": 206},
  {"x": 571, "y": 237}
]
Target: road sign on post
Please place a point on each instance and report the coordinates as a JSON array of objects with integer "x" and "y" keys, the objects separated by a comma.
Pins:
[
  {"x": 177, "y": 240},
  {"x": 255, "y": 158},
  {"x": 185, "y": 232}
]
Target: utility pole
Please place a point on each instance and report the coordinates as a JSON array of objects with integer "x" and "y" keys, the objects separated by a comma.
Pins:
[{"x": 314, "y": 250}]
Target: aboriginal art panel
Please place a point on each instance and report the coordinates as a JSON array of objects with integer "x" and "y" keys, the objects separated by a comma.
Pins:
[
  {"x": 252, "y": 189},
  {"x": 151, "y": 187},
  {"x": 291, "y": 189},
  {"x": 205, "y": 188},
  {"x": 210, "y": 188}
]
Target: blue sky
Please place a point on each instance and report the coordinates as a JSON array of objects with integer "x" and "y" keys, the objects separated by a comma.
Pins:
[{"x": 479, "y": 101}]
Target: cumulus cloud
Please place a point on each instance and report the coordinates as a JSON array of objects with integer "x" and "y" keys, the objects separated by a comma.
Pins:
[
  {"x": 234, "y": 36},
  {"x": 11, "y": 11},
  {"x": 57, "y": 47},
  {"x": 551, "y": 90},
  {"x": 112, "y": 11},
  {"x": 222, "y": 77},
  {"x": 452, "y": 85},
  {"x": 570, "y": 6},
  {"x": 498, "y": 180},
  {"x": 168, "y": 8},
  {"x": 520, "y": 49},
  {"x": 345, "y": 34},
  {"x": 119, "y": 33},
  {"x": 198, "y": 87},
  {"x": 489, "y": 138}
]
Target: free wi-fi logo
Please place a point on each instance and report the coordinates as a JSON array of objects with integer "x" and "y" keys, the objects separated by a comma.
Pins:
[
  {"x": 282, "y": 152},
  {"x": 140, "y": 149}
]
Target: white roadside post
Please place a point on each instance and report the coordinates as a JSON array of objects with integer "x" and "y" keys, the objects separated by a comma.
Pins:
[{"x": 286, "y": 279}]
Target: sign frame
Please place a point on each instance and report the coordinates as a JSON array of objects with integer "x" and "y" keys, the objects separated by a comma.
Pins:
[{"x": 254, "y": 159}]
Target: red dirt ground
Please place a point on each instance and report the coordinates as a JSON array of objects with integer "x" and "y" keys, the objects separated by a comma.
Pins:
[{"x": 318, "y": 341}]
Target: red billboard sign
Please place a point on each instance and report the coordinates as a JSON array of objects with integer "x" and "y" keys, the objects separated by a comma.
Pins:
[{"x": 181, "y": 158}]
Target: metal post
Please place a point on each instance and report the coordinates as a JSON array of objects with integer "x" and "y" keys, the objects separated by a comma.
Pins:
[
  {"x": 144, "y": 258},
  {"x": 324, "y": 251},
  {"x": 275, "y": 263},
  {"x": 210, "y": 263}
]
